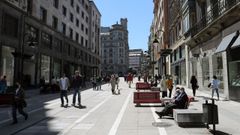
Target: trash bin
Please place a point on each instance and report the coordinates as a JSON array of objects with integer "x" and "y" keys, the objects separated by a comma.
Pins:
[{"x": 210, "y": 113}]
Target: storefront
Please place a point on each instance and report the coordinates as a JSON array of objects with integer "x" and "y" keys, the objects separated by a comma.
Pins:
[{"x": 234, "y": 71}]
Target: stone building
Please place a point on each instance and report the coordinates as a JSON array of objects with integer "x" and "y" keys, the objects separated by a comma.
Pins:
[
  {"x": 64, "y": 36},
  {"x": 135, "y": 60},
  {"x": 115, "y": 48}
]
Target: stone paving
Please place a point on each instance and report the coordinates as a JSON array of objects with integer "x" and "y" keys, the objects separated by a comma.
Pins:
[{"x": 107, "y": 114}]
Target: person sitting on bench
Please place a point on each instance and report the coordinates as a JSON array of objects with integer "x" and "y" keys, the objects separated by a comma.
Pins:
[{"x": 178, "y": 103}]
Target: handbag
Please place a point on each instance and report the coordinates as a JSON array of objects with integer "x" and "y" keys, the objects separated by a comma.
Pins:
[{"x": 209, "y": 85}]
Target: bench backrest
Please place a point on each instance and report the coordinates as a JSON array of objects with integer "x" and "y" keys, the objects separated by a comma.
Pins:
[{"x": 141, "y": 85}]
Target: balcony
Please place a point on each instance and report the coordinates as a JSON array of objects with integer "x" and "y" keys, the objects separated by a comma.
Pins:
[{"x": 218, "y": 18}]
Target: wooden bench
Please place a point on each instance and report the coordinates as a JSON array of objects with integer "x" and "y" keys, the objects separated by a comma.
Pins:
[
  {"x": 146, "y": 97},
  {"x": 6, "y": 99},
  {"x": 143, "y": 86}
]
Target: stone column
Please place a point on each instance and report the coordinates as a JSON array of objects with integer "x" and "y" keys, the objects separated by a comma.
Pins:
[{"x": 225, "y": 76}]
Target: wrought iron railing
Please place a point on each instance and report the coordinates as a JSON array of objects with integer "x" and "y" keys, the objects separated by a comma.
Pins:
[{"x": 216, "y": 11}]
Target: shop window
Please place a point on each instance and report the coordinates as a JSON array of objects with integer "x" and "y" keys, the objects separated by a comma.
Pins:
[
  {"x": 234, "y": 73},
  {"x": 10, "y": 26},
  {"x": 57, "y": 69}
]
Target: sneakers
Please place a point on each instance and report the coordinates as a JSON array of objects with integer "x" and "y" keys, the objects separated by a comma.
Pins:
[{"x": 160, "y": 114}]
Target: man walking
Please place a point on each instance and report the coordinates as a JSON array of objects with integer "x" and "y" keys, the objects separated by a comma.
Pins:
[
  {"x": 64, "y": 85},
  {"x": 77, "y": 85}
]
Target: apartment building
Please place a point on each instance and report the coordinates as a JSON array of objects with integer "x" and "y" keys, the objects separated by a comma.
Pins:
[
  {"x": 115, "y": 48},
  {"x": 61, "y": 32},
  {"x": 136, "y": 60},
  {"x": 204, "y": 37}
]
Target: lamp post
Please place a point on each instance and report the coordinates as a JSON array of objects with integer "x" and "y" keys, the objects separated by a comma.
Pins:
[{"x": 163, "y": 52}]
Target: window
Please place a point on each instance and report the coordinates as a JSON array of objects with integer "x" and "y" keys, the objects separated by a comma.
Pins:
[
  {"x": 71, "y": 33},
  {"x": 46, "y": 40},
  {"x": 64, "y": 28},
  {"x": 186, "y": 24},
  {"x": 82, "y": 14},
  {"x": 64, "y": 10},
  {"x": 71, "y": 17},
  {"x": 86, "y": 19},
  {"x": 82, "y": 27},
  {"x": 56, "y": 3},
  {"x": 77, "y": 37},
  {"x": 78, "y": 9},
  {"x": 45, "y": 68},
  {"x": 72, "y": 3},
  {"x": 77, "y": 22},
  {"x": 82, "y": 40},
  {"x": 10, "y": 26},
  {"x": 54, "y": 22},
  {"x": 43, "y": 14},
  {"x": 86, "y": 42},
  {"x": 86, "y": 31}
]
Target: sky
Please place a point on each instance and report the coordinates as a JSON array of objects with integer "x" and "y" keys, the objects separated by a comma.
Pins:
[{"x": 139, "y": 14}]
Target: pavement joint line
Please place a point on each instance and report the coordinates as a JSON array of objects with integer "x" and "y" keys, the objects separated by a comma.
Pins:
[
  {"x": 54, "y": 102},
  {"x": 83, "y": 117},
  {"x": 119, "y": 117},
  {"x": 161, "y": 130}
]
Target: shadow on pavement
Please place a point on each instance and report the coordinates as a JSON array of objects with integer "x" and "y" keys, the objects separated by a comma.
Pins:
[{"x": 219, "y": 132}]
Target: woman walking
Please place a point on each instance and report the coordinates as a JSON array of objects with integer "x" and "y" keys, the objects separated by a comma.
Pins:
[{"x": 194, "y": 83}]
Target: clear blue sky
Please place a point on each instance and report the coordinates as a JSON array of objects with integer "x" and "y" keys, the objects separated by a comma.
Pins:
[{"x": 139, "y": 14}]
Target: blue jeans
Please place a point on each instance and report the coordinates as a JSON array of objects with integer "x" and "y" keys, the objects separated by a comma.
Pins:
[
  {"x": 215, "y": 89},
  {"x": 76, "y": 92}
]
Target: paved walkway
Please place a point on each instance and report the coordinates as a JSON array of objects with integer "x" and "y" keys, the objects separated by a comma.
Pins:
[{"x": 107, "y": 114}]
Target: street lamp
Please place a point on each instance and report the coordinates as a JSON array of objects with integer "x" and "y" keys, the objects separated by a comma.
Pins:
[{"x": 163, "y": 52}]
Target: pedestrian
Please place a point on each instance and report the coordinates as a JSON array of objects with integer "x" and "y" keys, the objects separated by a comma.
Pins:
[
  {"x": 77, "y": 86},
  {"x": 170, "y": 85},
  {"x": 3, "y": 85},
  {"x": 99, "y": 83},
  {"x": 64, "y": 86},
  {"x": 194, "y": 83},
  {"x": 113, "y": 84},
  {"x": 94, "y": 82},
  {"x": 129, "y": 79},
  {"x": 19, "y": 103},
  {"x": 117, "y": 83},
  {"x": 163, "y": 85},
  {"x": 215, "y": 86}
]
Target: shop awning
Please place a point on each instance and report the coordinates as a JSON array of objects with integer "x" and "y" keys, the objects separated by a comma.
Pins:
[
  {"x": 236, "y": 43},
  {"x": 226, "y": 41}
]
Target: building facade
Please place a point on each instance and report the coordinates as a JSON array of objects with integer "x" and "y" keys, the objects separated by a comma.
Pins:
[
  {"x": 135, "y": 60},
  {"x": 115, "y": 48},
  {"x": 204, "y": 37},
  {"x": 61, "y": 33}
]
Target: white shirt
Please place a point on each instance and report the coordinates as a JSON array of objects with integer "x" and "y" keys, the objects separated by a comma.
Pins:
[
  {"x": 64, "y": 84},
  {"x": 215, "y": 83}
]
